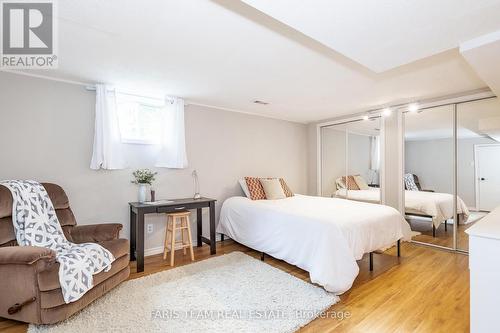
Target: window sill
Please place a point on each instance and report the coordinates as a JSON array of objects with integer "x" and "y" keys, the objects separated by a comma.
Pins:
[{"x": 139, "y": 142}]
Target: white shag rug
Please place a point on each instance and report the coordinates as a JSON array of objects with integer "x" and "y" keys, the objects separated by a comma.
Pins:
[{"x": 229, "y": 293}]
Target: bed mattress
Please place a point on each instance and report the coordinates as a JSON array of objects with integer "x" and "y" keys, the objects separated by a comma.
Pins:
[
  {"x": 437, "y": 205},
  {"x": 324, "y": 236}
]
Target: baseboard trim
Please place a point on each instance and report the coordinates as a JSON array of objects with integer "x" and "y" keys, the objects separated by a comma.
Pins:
[
  {"x": 152, "y": 251},
  {"x": 159, "y": 249}
]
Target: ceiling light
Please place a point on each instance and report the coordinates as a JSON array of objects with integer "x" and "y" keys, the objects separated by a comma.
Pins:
[
  {"x": 260, "y": 102},
  {"x": 386, "y": 112},
  {"x": 365, "y": 117},
  {"x": 413, "y": 107}
]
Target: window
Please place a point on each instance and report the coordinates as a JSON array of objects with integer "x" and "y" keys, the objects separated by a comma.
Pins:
[
  {"x": 157, "y": 124},
  {"x": 139, "y": 119}
]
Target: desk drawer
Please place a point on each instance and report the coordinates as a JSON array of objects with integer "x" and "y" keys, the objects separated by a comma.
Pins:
[{"x": 172, "y": 209}]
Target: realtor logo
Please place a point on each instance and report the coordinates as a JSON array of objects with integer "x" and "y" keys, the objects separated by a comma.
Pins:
[{"x": 28, "y": 34}]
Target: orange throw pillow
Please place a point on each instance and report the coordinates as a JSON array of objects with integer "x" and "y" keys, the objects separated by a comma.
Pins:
[
  {"x": 255, "y": 188},
  {"x": 257, "y": 191},
  {"x": 350, "y": 184}
]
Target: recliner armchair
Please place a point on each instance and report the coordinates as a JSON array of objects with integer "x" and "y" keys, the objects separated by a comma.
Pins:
[{"x": 29, "y": 280}]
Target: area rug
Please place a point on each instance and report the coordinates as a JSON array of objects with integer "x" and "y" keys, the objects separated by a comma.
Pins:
[{"x": 229, "y": 293}]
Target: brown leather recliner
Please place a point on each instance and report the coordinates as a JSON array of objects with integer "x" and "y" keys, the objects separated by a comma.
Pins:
[{"x": 29, "y": 281}]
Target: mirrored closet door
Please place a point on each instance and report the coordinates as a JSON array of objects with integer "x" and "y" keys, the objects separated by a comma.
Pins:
[
  {"x": 478, "y": 163},
  {"x": 451, "y": 174},
  {"x": 429, "y": 174},
  {"x": 350, "y": 160},
  {"x": 333, "y": 159}
]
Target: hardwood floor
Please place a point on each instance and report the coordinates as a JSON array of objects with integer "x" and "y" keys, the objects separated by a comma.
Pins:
[
  {"x": 443, "y": 238},
  {"x": 426, "y": 290}
]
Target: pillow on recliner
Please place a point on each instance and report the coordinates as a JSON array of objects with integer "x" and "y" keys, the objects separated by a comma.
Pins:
[{"x": 410, "y": 182}]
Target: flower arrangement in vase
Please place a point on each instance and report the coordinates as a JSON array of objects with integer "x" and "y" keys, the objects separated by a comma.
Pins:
[{"x": 143, "y": 177}]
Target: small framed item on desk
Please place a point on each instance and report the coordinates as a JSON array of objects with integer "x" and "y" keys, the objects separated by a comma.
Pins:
[{"x": 138, "y": 210}]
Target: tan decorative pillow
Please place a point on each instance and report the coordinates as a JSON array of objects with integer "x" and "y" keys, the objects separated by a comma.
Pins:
[
  {"x": 272, "y": 188},
  {"x": 361, "y": 182},
  {"x": 350, "y": 183},
  {"x": 286, "y": 189},
  {"x": 255, "y": 188}
]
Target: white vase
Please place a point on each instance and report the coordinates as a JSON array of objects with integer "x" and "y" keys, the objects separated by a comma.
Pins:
[{"x": 143, "y": 189}]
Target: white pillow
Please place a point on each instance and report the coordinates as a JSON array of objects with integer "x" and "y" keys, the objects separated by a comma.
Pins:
[
  {"x": 272, "y": 188},
  {"x": 244, "y": 187},
  {"x": 361, "y": 182}
]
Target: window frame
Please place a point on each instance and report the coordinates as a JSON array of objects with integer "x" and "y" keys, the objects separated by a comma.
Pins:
[{"x": 141, "y": 102}]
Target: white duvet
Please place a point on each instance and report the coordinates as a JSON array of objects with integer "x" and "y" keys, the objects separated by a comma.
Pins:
[
  {"x": 324, "y": 236},
  {"x": 437, "y": 205}
]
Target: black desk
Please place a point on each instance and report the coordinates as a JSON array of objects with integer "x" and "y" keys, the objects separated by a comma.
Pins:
[{"x": 138, "y": 210}]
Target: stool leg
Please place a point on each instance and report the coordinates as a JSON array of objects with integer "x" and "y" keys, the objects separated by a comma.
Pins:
[
  {"x": 190, "y": 240},
  {"x": 183, "y": 234},
  {"x": 165, "y": 243},
  {"x": 172, "y": 246}
]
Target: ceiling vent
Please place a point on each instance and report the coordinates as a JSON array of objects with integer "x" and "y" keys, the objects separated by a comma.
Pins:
[{"x": 260, "y": 102}]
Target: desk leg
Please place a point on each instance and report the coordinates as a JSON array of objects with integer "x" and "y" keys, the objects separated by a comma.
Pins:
[
  {"x": 199, "y": 226},
  {"x": 212, "y": 227},
  {"x": 133, "y": 226},
  {"x": 140, "y": 241}
]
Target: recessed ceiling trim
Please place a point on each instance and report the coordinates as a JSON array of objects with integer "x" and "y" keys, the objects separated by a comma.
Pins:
[
  {"x": 480, "y": 41},
  {"x": 187, "y": 102},
  {"x": 383, "y": 35},
  {"x": 423, "y": 104}
]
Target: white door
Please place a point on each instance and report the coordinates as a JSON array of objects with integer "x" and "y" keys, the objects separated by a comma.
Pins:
[{"x": 488, "y": 174}]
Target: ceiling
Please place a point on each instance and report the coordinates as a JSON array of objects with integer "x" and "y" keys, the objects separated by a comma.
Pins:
[
  {"x": 226, "y": 53},
  {"x": 369, "y": 127},
  {"x": 385, "y": 34},
  {"x": 483, "y": 54},
  {"x": 437, "y": 123}
]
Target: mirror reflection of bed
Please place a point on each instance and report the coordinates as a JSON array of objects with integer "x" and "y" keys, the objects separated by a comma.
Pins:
[
  {"x": 351, "y": 160},
  {"x": 429, "y": 169}
]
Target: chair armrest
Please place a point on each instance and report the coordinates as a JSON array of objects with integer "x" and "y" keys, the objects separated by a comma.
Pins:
[
  {"x": 20, "y": 267},
  {"x": 26, "y": 255},
  {"x": 95, "y": 233}
]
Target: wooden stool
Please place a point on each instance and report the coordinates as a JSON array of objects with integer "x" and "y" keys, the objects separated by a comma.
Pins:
[{"x": 170, "y": 234}]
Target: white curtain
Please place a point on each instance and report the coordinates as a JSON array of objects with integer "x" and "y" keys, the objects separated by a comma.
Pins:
[
  {"x": 375, "y": 153},
  {"x": 173, "y": 142},
  {"x": 107, "y": 151}
]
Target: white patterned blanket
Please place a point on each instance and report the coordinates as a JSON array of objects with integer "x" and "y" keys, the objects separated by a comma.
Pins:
[{"x": 36, "y": 224}]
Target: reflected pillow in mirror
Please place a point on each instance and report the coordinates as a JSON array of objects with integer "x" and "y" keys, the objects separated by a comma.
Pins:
[
  {"x": 350, "y": 183},
  {"x": 361, "y": 182}
]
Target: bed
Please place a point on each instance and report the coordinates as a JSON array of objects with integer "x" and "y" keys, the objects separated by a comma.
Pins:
[
  {"x": 437, "y": 206},
  {"x": 324, "y": 236}
]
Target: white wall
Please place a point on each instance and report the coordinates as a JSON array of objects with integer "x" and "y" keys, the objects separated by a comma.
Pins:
[
  {"x": 359, "y": 155},
  {"x": 432, "y": 162},
  {"x": 312, "y": 159},
  {"x": 392, "y": 181},
  {"x": 46, "y": 134},
  {"x": 333, "y": 158}
]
